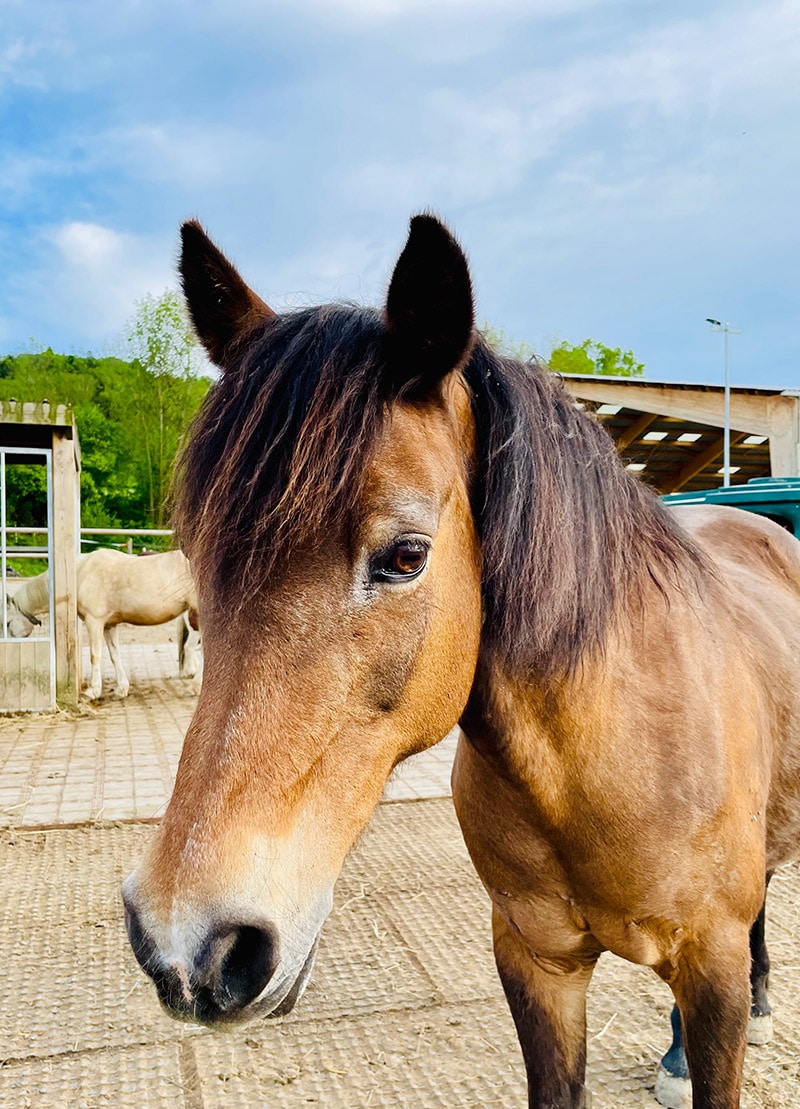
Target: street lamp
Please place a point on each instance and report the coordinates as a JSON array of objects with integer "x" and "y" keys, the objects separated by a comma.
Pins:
[{"x": 726, "y": 329}]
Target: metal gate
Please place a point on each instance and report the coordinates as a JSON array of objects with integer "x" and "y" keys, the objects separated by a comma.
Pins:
[{"x": 27, "y": 663}]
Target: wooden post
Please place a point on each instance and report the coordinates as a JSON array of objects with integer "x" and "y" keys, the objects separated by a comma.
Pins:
[
  {"x": 65, "y": 548},
  {"x": 784, "y": 439}
]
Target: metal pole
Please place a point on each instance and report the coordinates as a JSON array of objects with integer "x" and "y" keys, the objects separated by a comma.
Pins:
[
  {"x": 726, "y": 464},
  {"x": 726, "y": 328}
]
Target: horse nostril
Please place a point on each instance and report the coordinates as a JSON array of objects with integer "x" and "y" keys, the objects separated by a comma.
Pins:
[{"x": 248, "y": 956}]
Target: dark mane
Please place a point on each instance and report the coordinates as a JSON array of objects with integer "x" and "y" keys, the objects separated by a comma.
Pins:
[
  {"x": 280, "y": 448},
  {"x": 568, "y": 534},
  {"x": 279, "y": 453}
]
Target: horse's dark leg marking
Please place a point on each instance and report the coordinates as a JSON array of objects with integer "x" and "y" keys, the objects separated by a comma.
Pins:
[
  {"x": 759, "y": 1030},
  {"x": 674, "y": 1062},
  {"x": 548, "y": 1004},
  {"x": 674, "y": 1065}
]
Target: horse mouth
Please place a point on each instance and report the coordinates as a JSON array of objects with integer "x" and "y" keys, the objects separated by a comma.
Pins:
[{"x": 299, "y": 986}]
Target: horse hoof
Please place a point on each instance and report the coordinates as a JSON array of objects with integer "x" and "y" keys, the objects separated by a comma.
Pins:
[
  {"x": 122, "y": 691},
  {"x": 672, "y": 1091},
  {"x": 759, "y": 1029}
]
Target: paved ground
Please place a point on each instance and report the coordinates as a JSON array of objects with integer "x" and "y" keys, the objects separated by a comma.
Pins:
[
  {"x": 404, "y": 1010},
  {"x": 116, "y": 760}
]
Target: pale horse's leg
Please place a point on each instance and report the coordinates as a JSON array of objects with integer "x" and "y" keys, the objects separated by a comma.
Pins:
[
  {"x": 94, "y": 629},
  {"x": 197, "y": 680},
  {"x": 190, "y": 654},
  {"x": 112, "y": 642}
]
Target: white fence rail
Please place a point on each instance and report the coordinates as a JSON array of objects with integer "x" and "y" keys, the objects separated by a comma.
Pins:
[{"x": 129, "y": 535}]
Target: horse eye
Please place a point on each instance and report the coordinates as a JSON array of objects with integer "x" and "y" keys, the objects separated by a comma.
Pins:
[{"x": 403, "y": 560}]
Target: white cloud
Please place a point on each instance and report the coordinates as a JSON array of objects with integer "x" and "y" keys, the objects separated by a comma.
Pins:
[
  {"x": 95, "y": 273},
  {"x": 88, "y": 246},
  {"x": 481, "y": 145},
  {"x": 182, "y": 151},
  {"x": 395, "y": 9},
  {"x": 15, "y": 62},
  {"x": 371, "y": 11},
  {"x": 337, "y": 268}
]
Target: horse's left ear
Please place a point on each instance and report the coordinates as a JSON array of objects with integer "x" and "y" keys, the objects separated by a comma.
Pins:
[
  {"x": 428, "y": 309},
  {"x": 222, "y": 307}
]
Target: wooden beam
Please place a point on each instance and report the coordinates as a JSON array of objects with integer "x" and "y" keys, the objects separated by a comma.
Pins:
[
  {"x": 755, "y": 414},
  {"x": 65, "y": 550},
  {"x": 699, "y": 462},
  {"x": 632, "y": 433}
]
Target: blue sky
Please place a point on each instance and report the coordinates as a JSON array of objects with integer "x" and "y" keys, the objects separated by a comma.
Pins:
[{"x": 618, "y": 169}]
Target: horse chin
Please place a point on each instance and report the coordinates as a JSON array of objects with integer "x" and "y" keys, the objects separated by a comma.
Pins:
[{"x": 299, "y": 987}]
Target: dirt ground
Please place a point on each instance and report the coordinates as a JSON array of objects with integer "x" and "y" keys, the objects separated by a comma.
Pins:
[{"x": 404, "y": 1009}]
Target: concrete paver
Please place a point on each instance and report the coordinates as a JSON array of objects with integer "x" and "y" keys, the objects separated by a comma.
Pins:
[{"x": 117, "y": 759}]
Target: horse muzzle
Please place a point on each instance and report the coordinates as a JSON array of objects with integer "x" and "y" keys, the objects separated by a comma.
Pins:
[{"x": 235, "y": 975}]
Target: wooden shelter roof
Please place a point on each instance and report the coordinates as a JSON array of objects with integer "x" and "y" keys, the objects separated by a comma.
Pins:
[{"x": 671, "y": 432}]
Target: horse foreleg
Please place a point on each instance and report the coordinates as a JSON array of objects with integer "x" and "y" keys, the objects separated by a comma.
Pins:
[
  {"x": 182, "y": 636},
  {"x": 197, "y": 678},
  {"x": 673, "y": 1086},
  {"x": 547, "y": 998},
  {"x": 711, "y": 989},
  {"x": 94, "y": 629},
  {"x": 112, "y": 642}
]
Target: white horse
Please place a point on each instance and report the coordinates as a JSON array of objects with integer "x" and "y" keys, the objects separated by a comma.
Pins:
[{"x": 113, "y": 588}]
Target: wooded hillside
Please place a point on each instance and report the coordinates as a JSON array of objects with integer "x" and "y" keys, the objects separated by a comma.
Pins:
[{"x": 130, "y": 419}]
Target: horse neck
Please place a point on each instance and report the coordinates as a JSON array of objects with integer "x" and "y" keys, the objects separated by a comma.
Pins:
[
  {"x": 570, "y": 538},
  {"x": 34, "y": 595}
]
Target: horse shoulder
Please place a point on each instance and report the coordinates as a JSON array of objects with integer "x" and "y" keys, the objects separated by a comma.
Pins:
[{"x": 98, "y": 574}]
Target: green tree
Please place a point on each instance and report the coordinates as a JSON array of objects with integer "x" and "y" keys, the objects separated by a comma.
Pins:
[
  {"x": 131, "y": 418},
  {"x": 591, "y": 357},
  {"x": 163, "y": 392},
  {"x": 499, "y": 341}
]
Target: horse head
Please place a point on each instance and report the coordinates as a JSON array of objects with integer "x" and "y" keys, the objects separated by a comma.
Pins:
[
  {"x": 326, "y": 508},
  {"x": 19, "y": 623}
]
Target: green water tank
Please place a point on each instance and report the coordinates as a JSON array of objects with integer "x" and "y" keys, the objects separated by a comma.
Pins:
[{"x": 775, "y": 497}]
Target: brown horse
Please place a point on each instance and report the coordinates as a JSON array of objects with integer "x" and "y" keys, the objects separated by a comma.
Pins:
[{"x": 393, "y": 529}]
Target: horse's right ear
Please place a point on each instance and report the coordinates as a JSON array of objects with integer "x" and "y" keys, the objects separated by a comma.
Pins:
[
  {"x": 222, "y": 307},
  {"x": 428, "y": 310}
]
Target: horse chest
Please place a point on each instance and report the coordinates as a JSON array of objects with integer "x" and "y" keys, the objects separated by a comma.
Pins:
[{"x": 570, "y": 875}]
